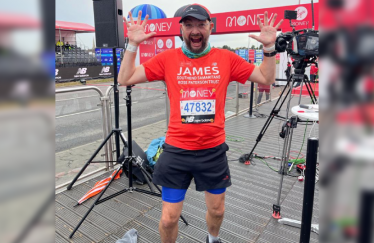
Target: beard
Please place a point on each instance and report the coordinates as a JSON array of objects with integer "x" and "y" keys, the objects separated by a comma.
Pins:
[{"x": 204, "y": 43}]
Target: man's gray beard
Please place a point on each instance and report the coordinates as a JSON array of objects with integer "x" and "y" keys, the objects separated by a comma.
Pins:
[{"x": 200, "y": 50}]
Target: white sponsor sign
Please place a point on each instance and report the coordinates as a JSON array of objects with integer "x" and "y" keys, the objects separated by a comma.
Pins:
[
  {"x": 160, "y": 43},
  {"x": 169, "y": 43},
  {"x": 302, "y": 12}
]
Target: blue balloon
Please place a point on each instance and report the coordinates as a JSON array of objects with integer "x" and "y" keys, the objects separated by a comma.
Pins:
[{"x": 153, "y": 12}]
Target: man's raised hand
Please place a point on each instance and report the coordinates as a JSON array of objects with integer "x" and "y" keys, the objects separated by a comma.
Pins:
[
  {"x": 135, "y": 31},
  {"x": 268, "y": 33}
]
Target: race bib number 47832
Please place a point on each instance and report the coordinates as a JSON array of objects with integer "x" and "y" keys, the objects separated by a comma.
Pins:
[{"x": 198, "y": 105}]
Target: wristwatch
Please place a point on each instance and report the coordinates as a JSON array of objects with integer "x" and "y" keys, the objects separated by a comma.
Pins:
[{"x": 270, "y": 54}]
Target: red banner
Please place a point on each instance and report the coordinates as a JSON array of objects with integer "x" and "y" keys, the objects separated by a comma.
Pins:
[
  {"x": 251, "y": 55},
  {"x": 351, "y": 13},
  {"x": 240, "y": 21},
  {"x": 146, "y": 50},
  {"x": 164, "y": 43},
  {"x": 304, "y": 17},
  {"x": 246, "y": 21}
]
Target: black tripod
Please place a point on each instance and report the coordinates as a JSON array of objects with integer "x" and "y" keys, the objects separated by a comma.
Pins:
[
  {"x": 116, "y": 131},
  {"x": 130, "y": 159},
  {"x": 287, "y": 130},
  {"x": 298, "y": 76}
]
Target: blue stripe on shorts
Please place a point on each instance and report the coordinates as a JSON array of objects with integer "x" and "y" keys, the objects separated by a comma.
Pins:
[
  {"x": 172, "y": 195},
  {"x": 217, "y": 191}
]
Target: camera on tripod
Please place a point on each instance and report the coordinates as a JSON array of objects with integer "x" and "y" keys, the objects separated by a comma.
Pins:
[{"x": 298, "y": 43}]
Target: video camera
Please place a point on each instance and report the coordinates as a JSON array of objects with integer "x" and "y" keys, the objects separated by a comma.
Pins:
[{"x": 301, "y": 43}]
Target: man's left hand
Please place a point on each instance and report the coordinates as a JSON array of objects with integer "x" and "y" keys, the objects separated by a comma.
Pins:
[{"x": 268, "y": 32}]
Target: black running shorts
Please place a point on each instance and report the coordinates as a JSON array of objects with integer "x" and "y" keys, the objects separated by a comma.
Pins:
[{"x": 176, "y": 167}]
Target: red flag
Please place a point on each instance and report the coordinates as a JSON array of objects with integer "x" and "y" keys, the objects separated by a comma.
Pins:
[{"x": 98, "y": 187}]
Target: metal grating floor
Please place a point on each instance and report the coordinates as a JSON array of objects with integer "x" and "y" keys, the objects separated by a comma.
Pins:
[{"x": 248, "y": 201}]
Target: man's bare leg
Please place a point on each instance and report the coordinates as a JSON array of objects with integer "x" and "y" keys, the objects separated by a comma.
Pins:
[
  {"x": 216, "y": 208},
  {"x": 168, "y": 226}
]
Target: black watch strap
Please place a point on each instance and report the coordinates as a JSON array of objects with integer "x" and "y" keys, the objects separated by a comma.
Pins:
[{"x": 270, "y": 54}]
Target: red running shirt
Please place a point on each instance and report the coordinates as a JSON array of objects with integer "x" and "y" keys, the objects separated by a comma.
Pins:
[
  {"x": 197, "y": 92},
  {"x": 313, "y": 69}
]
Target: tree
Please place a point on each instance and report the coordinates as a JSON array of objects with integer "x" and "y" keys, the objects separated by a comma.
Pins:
[
  {"x": 261, "y": 46},
  {"x": 253, "y": 47},
  {"x": 227, "y": 48}
]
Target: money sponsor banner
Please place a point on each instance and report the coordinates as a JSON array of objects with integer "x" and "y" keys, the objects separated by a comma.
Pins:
[
  {"x": 147, "y": 50},
  {"x": 164, "y": 43},
  {"x": 239, "y": 21}
]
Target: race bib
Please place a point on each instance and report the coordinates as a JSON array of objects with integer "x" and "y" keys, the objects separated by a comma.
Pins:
[{"x": 198, "y": 105}]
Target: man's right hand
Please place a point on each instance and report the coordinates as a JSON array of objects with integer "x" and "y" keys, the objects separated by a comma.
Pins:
[{"x": 135, "y": 31}]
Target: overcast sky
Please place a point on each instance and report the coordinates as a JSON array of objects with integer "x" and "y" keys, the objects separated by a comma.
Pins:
[{"x": 82, "y": 11}]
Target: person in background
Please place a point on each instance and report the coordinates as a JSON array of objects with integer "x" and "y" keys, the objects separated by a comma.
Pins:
[
  {"x": 197, "y": 77},
  {"x": 59, "y": 45},
  {"x": 313, "y": 73},
  {"x": 67, "y": 46},
  {"x": 261, "y": 89},
  {"x": 288, "y": 70}
]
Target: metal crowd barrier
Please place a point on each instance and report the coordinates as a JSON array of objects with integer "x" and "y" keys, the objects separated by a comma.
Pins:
[{"x": 104, "y": 108}]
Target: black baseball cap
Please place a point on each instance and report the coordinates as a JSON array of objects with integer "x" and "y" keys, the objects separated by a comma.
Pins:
[{"x": 195, "y": 11}]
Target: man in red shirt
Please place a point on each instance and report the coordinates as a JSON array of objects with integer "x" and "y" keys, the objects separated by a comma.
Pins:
[
  {"x": 261, "y": 89},
  {"x": 288, "y": 71},
  {"x": 313, "y": 73},
  {"x": 197, "y": 77}
]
